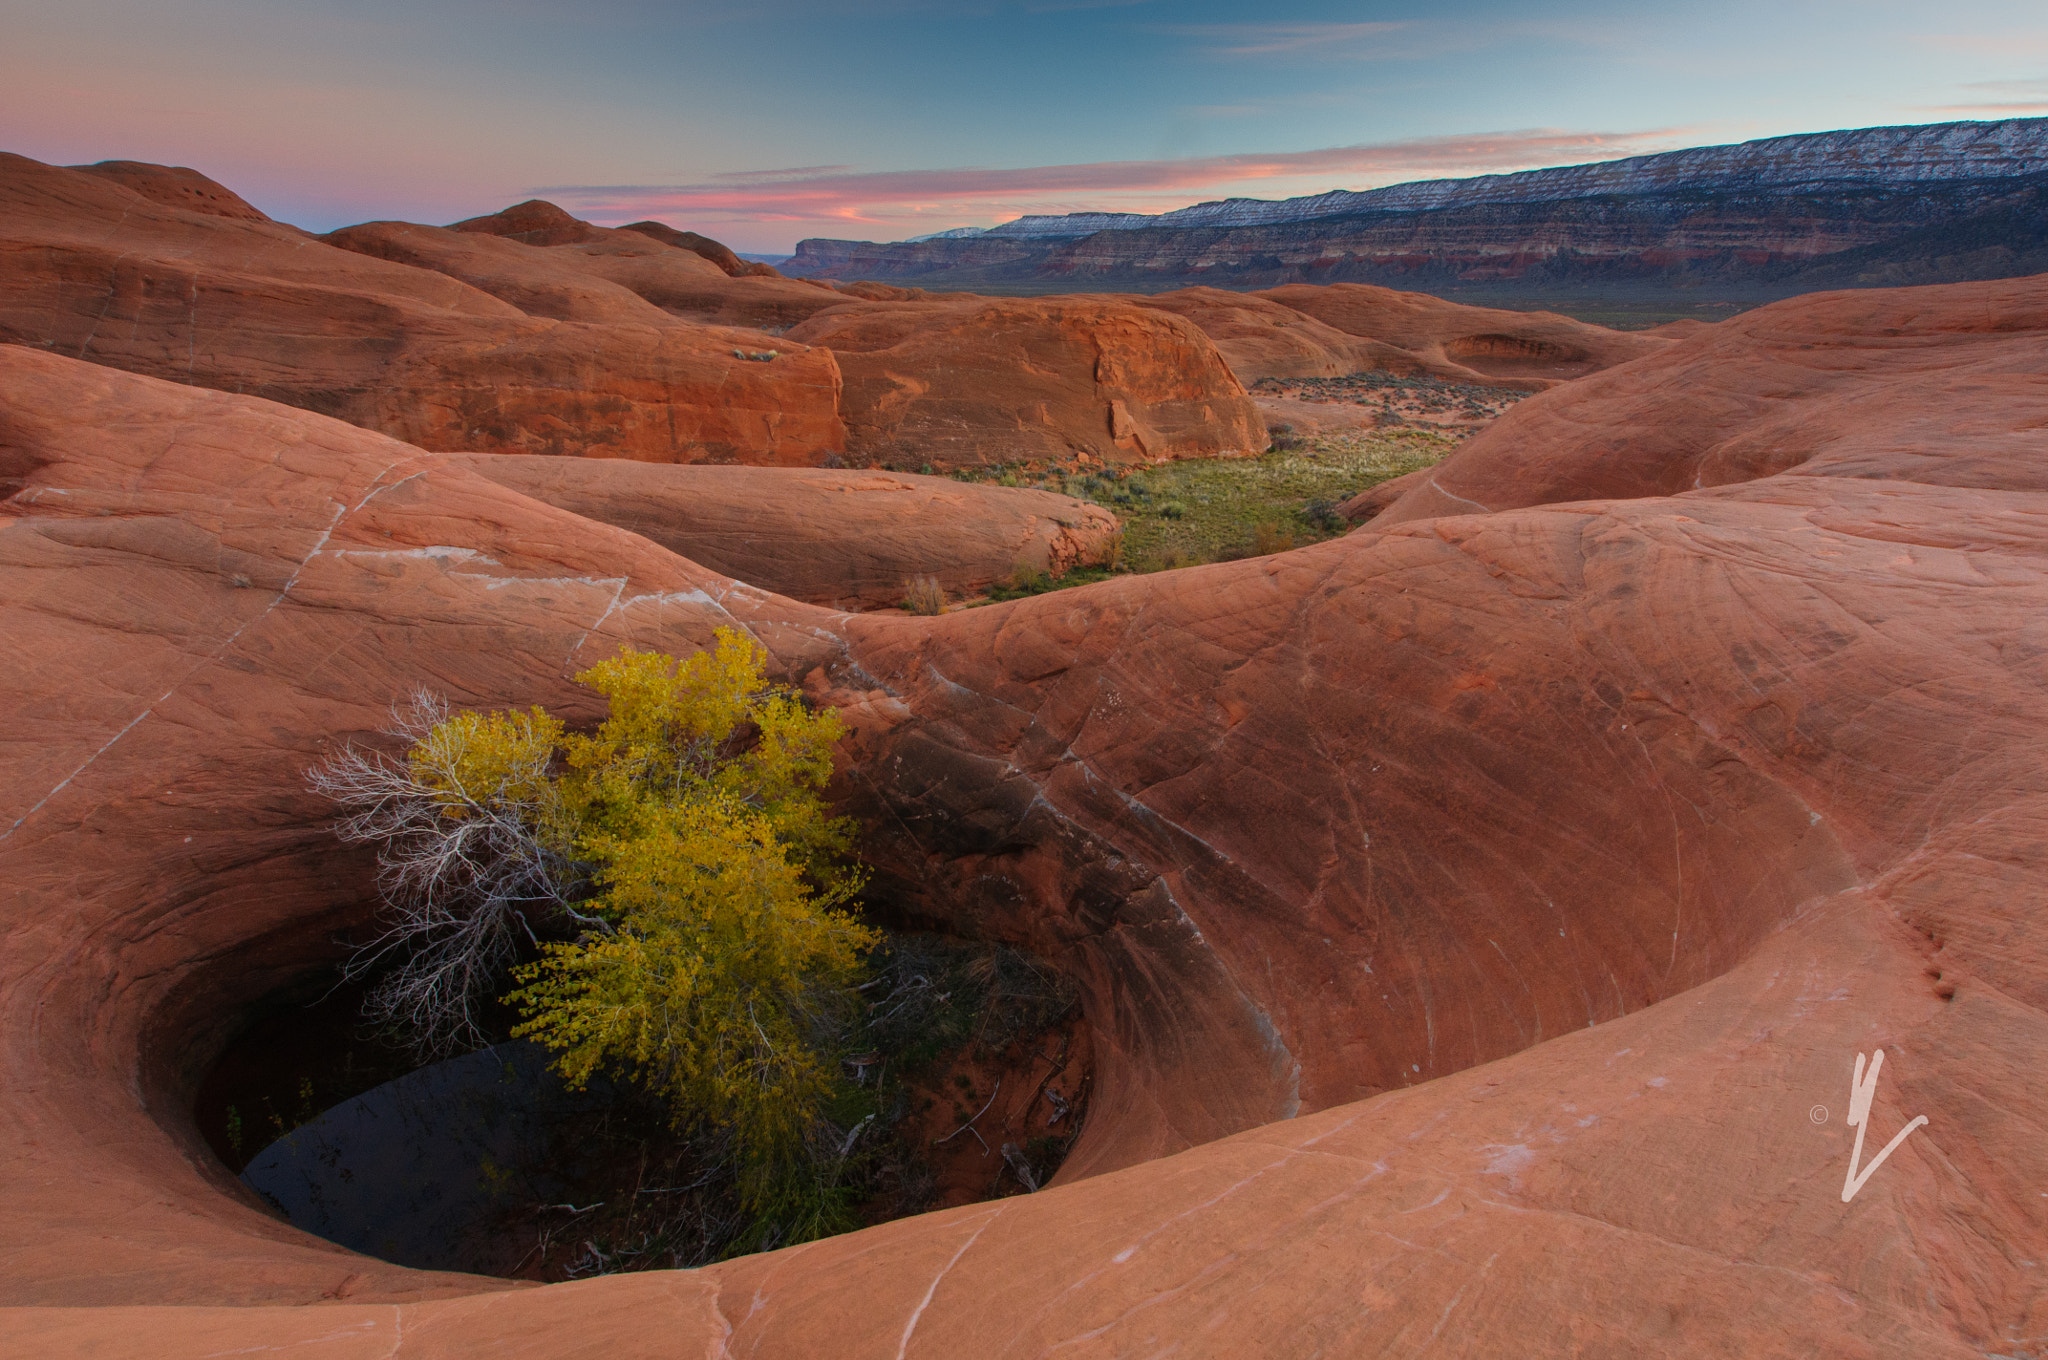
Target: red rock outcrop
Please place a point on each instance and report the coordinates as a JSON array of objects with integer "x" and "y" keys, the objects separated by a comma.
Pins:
[
  {"x": 689, "y": 276},
  {"x": 849, "y": 540},
  {"x": 92, "y": 269},
  {"x": 177, "y": 186},
  {"x": 717, "y": 252},
  {"x": 1562, "y": 857},
  {"x": 1918, "y": 384},
  {"x": 529, "y": 331},
  {"x": 1533, "y": 349},
  {"x": 1000, "y": 380},
  {"x": 536, "y": 222},
  {"x": 1262, "y": 338},
  {"x": 555, "y": 284}
]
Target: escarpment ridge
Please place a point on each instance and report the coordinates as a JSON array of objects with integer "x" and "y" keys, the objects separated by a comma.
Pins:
[
  {"x": 1863, "y": 207},
  {"x": 1470, "y": 912}
]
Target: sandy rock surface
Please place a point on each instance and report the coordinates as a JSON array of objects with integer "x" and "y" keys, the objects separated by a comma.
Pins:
[
  {"x": 1476, "y": 918},
  {"x": 529, "y": 331},
  {"x": 850, "y": 540},
  {"x": 92, "y": 269},
  {"x": 1009, "y": 379},
  {"x": 1454, "y": 340},
  {"x": 1932, "y": 385}
]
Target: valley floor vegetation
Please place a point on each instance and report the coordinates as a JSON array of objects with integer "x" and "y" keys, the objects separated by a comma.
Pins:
[
  {"x": 665, "y": 906},
  {"x": 1186, "y": 513}
]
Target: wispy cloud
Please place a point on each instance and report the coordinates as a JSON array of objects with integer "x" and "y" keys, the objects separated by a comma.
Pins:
[
  {"x": 2003, "y": 98},
  {"x": 913, "y": 200},
  {"x": 1263, "y": 40}
]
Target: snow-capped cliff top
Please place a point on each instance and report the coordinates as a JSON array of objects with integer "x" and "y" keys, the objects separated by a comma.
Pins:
[{"x": 1921, "y": 154}]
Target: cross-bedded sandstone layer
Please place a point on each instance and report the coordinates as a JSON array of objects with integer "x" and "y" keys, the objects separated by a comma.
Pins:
[
  {"x": 1548, "y": 866},
  {"x": 532, "y": 332}
]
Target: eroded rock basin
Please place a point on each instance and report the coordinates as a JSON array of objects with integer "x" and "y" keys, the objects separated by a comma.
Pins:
[{"x": 1468, "y": 913}]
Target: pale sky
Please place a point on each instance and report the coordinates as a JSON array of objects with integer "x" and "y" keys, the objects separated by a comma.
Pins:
[{"x": 761, "y": 123}]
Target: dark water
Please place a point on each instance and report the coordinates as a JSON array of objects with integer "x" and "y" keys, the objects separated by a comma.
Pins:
[{"x": 428, "y": 1170}]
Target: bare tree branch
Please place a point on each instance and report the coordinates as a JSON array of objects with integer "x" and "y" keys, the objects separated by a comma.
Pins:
[{"x": 465, "y": 872}]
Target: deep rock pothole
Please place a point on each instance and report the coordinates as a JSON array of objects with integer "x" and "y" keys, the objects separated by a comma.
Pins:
[{"x": 981, "y": 1073}]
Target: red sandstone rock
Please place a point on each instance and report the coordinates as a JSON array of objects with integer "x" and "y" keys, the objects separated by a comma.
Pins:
[
  {"x": 177, "y": 186},
  {"x": 1563, "y": 857},
  {"x": 536, "y": 222},
  {"x": 851, "y": 540},
  {"x": 717, "y": 252},
  {"x": 1261, "y": 338},
  {"x": 527, "y": 331},
  {"x": 538, "y": 281},
  {"x": 998, "y": 380},
  {"x": 1922, "y": 384},
  {"x": 95, "y": 270},
  {"x": 1533, "y": 349},
  {"x": 548, "y": 263}
]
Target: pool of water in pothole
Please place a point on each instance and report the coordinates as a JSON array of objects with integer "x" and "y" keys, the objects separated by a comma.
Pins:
[{"x": 488, "y": 1163}]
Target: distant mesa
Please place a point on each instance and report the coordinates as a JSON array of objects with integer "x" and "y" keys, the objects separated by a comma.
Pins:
[{"x": 1937, "y": 203}]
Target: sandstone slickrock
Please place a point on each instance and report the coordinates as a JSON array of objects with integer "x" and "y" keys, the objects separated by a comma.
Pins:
[
  {"x": 529, "y": 331},
  {"x": 717, "y": 252},
  {"x": 1453, "y": 340},
  {"x": 850, "y": 540},
  {"x": 998, "y": 380},
  {"x": 1261, "y": 338},
  {"x": 1562, "y": 857},
  {"x": 540, "y": 282},
  {"x": 1337, "y": 329},
  {"x": 92, "y": 269},
  {"x": 1941, "y": 385},
  {"x": 178, "y": 186}
]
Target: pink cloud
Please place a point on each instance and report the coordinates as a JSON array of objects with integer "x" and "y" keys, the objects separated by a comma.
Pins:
[{"x": 913, "y": 199}]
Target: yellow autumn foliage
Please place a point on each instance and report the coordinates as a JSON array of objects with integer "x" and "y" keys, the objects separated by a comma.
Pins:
[{"x": 716, "y": 868}]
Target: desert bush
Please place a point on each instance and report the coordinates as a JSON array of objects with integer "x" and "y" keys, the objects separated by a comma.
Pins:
[
  {"x": 1322, "y": 515},
  {"x": 672, "y": 879},
  {"x": 1282, "y": 438},
  {"x": 1028, "y": 579},
  {"x": 924, "y": 595},
  {"x": 1270, "y": 538}
]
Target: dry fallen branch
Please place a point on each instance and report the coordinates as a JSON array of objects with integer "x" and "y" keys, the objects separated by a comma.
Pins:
[{"x": 970, "y": 1123}]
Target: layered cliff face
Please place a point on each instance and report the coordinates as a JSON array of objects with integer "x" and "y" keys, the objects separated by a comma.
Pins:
[{"x": 1952, "y": 201}]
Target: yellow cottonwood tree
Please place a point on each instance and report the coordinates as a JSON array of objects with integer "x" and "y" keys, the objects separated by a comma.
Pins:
[
  {"x": 685, "y": 842},
  {"x": 730, "y": 952}
]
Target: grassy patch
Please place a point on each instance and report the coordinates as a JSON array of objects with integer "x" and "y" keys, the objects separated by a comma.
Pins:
[
  {"x": 1210, "y": 510},
  {"x": 1216, "y": 509}
]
